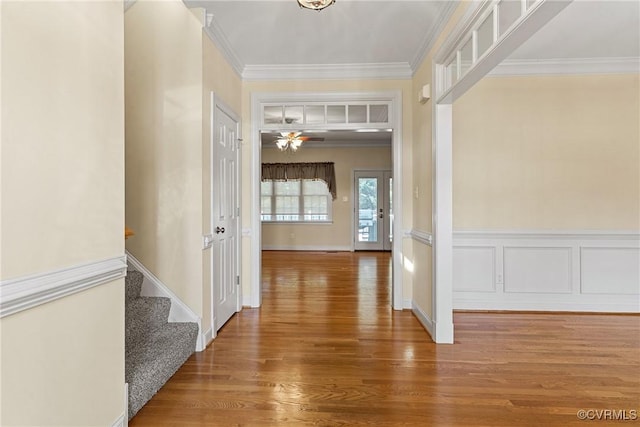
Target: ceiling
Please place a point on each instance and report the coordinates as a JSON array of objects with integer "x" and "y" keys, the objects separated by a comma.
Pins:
[{"x": 276, "y": 39}]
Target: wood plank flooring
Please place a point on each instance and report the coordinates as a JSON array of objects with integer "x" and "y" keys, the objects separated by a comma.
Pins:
[{"x": 326, "y": 349}]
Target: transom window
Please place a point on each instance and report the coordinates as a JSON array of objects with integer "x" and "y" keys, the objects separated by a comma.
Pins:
[{"x": 305, "y": 200}]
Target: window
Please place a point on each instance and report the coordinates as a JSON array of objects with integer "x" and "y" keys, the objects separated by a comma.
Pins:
[{"x": 305, "y": 200}]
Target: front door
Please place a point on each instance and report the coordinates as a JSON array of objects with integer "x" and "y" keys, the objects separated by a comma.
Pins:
[
  {"x": 373, "y": 211},
  {"x": 225, "y": 208}
]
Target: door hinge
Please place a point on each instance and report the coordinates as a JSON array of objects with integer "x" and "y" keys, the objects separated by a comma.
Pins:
[
  {"x": 237, "y": 211},
  {"x": 237, "y": 280}
]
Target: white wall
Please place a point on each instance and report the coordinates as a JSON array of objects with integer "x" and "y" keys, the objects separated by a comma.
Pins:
[{"x": 62, "y": 205}]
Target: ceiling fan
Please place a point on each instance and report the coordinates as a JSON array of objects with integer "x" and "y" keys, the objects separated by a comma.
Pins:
[{"x": 293, "y": 140}]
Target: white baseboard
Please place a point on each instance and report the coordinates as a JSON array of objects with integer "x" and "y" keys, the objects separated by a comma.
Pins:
[
  {"x": 207, "y": 337},
  {"x": 407, "y": 304},
  {"x": 123, "y": 419},
  {"x": 120, "y": 422},
  {"x": 179, "y": 312},
  {"x": 310, "y": 248},
  {"x": 547, "y": 270},
  {"x": 425, "y": 320}
]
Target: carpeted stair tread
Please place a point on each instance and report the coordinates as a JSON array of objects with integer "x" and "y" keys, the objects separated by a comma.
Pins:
[
  {"x": 133, "y": 284},
  {"x": 145, "y": 314},
  {"x": 154, "y": 348},
  {"x": 155, "y": 357}
]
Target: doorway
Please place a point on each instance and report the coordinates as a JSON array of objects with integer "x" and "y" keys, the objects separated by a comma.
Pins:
[
  {"x": 373, "y": 215},
  {"x": 323, "y": 111}
]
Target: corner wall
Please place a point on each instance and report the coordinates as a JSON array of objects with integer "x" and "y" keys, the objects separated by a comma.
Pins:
[
  {"x": 62, "y": 205},
  {"x": 163, "y": 107}
]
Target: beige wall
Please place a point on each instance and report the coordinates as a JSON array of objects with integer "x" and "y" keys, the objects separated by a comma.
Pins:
[
  {"x": 171, "y": 69},
  {"x": 422, "y": 172},
  {"x": 554, "y": 152},
  {"x": 251, "y": 87},
  {"x": 62, "y": 204},
  {"x": 327, "y": 236},
  {"x": 164, "y": 92}
]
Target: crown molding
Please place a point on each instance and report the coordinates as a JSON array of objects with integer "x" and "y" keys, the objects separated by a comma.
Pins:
[
  {"x": 395, "y": 70},
  {"x": 431, "y": 37},
  {"x": 214, "y": 32},
  {"x": 126, "y": 4},
  {"x": 533, "y": 67}
]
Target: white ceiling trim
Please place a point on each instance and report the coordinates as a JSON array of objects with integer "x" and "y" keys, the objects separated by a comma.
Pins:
[
  {"x": 214, "y": 32},
  {"x": 431, "y": 37},
  {"x": 532, "y": 67},
  {"x": 396, "y": 70}
]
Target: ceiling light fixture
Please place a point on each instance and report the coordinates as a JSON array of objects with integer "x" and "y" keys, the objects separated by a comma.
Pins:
[
  {"x": 289, "y": 141},
  {"x": 315, "y": 4}
]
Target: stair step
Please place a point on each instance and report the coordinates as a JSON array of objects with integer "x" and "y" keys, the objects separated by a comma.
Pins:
[
  {"x": 133, "y": 284},
  {"x": 144, "y": 315},
  {"x": 156, "y": 356}
]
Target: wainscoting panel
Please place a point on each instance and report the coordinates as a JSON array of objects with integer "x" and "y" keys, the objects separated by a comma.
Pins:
[
  {"x": 475, "y": 268},
  {"x": 539, "y": 270},
  {"x": 595, "y": 271},
  {"x": 610, "y": 271}
]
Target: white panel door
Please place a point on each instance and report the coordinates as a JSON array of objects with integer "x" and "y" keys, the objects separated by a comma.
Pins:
[
  {"x": 225, "y": 208},
  {"x": 373, "y": 210}
]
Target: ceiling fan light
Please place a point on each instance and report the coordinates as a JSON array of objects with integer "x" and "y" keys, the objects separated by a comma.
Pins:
[{"x": 315, "y": 4}]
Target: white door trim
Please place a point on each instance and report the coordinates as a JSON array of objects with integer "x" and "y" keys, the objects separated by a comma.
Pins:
[{"x": 395, "y": 123}]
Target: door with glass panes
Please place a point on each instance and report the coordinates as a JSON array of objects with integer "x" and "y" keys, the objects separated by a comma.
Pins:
[{"x": 373, "y": 211}]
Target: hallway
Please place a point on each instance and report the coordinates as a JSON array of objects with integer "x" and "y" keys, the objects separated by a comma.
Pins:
[{"x": 326, "y": 349}]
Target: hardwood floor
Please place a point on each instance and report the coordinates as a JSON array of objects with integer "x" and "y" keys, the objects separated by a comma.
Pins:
[{"x": 325, "y": 349}]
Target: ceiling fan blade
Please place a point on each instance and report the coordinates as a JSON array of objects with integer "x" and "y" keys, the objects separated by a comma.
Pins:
[{"x": 310, "y": 138}]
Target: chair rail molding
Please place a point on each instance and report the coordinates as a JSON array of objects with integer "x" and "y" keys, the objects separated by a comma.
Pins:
[{"x": 27, "y": 292}]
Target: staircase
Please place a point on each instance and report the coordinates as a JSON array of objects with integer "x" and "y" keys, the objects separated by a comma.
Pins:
[{"x": 154, "y": 348}]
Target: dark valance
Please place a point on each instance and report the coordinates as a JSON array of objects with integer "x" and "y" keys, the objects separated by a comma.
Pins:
[{"x": 298, "y": 171}]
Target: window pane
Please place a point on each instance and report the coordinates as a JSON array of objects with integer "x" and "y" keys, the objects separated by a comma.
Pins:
[
  {"x": 293, "y": 114},
  {"x": 485, "y": 35},
  {"x": 314, "y": 114},
  {"x": 336, "y": 114},
  {"x": 285, "y": 203},
  {"x": 314, "y": 187},
  {"x": 273, "y": 115},
  {"x": 357, "y": 114},
  {"x": 287, "y": 187},
  {"x": 266, "y": 188},
  {"x": 466, "y": 57},
  {"x": 368, "y": 210},
  {"x": 378, "y": 113},
  {"x": 508, "y": 12}
]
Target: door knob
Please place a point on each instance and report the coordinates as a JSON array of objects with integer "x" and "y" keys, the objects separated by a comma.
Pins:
[{"x": 219, "y": 230}]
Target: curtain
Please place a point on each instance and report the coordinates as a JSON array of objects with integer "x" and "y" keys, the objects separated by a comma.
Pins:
[{"x": 298, "y": 171}]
